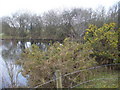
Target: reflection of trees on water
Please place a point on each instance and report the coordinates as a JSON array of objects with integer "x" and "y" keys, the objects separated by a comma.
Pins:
[
  {"x": 11, "y": 49},
  {"x": 10, "y": 79},
  {"x": 11, "y": 76}
]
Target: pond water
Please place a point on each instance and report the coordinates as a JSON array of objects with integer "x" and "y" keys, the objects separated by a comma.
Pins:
[{"x": 10, "y": 73}]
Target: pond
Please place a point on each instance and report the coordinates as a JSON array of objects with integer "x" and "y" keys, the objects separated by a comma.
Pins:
[{"x": 10, "y": 50}]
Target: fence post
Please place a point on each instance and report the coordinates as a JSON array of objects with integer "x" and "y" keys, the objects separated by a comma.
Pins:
[{"x": 58, "y": 79}]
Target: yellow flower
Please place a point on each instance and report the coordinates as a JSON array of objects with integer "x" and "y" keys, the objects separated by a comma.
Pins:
[
  {"x": 96, "y": 39},
  {"x": 86, "y": 32},
  {"x": 84, "y": 38}
]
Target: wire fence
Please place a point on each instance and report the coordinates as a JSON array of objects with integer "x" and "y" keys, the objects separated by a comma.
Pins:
[{"x": 78, "y": 73}]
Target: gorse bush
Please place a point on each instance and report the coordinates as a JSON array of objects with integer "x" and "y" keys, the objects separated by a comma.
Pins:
[
  {"x": 103, "y": 42},
  {"x": 100, "y": 45},
  {"x": 66, "y": 57}
]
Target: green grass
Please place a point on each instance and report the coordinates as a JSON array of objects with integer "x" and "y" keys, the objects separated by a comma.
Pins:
[
  {"x": 11, "y": 37},
  {"x": 18, "y": 37},
  {"x": 112, "y": 82}
]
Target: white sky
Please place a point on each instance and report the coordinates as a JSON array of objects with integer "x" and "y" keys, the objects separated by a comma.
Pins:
[{"x": 8, "y": 7}]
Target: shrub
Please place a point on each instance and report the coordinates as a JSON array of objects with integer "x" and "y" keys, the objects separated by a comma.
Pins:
[
  {"x": 104, "y": 42},
  {"x": 66, "y": 57}
]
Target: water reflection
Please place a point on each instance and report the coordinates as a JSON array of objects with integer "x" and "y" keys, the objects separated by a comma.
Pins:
[
  {"x": 10, "y": 72},
  {"x": 10, "y": 75}
]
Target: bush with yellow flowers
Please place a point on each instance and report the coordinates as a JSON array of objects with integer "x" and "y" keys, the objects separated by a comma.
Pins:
[
  {"x": 103, "y": 42},
  {"x": 66, "y": 57}
]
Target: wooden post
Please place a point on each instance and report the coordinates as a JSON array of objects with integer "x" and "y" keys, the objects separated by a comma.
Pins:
[{"x": 58, "y": 79}]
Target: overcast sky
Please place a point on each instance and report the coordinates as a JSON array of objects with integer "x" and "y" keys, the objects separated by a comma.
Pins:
[{"x": 8, "y": 7}]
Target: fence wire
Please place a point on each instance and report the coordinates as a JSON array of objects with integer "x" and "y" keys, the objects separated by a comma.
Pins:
[{"x": 77, "y": 72}]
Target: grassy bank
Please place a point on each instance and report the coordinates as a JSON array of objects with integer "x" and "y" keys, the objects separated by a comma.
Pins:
[
  {"x": 11, "y": 37},
  {"x": 28, "y": 38},
  {"x": 103, "y": 80}
]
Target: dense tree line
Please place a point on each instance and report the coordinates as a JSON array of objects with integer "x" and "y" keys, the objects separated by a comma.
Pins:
[{"x": 56, "y": 24}]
